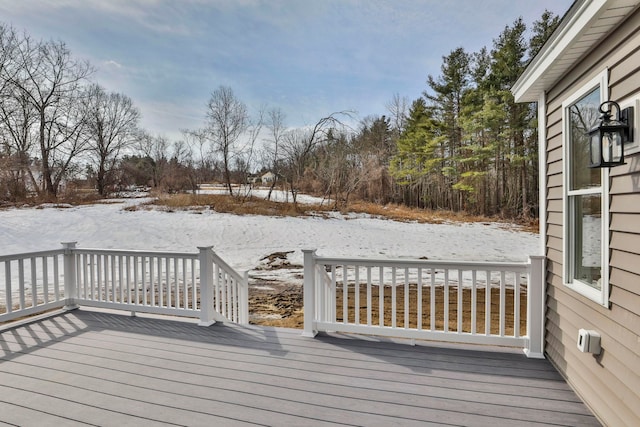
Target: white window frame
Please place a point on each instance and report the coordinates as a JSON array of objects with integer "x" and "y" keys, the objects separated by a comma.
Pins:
[{"x": 600, "y": 296}]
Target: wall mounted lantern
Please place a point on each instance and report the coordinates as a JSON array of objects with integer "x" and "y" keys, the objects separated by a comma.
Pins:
[{"x": 607, "y": 139}]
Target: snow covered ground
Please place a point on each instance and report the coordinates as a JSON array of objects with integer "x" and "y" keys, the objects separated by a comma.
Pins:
[
  {"x": 244, "y": 240},
  {"x": 262, "y": 192}
]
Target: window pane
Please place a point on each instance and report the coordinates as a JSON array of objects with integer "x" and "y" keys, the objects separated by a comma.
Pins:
[
  {"x": 583, "y": 115},
  {"x": 587, "y": 231}
]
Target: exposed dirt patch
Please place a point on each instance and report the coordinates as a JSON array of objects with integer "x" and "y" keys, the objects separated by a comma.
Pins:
[
  {"x": 276, "y": 304},
  {"x": 277, "y": 261}
]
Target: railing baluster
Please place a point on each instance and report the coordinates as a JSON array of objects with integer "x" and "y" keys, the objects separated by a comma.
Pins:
[
  {"x": 502, "y": 302},
  {"x": 446, "y": 300},
  {"x": 56, "y": 279},
  {"x": 194, "y": 288},
  {"x": 121, "y": 281},
  {"x": 34, "y": 283},
  {"x": 321, "y": 284},
  {"x": 516, "y": 304},
  {"x": 152, "y": 281},
  {"x": 230, "y": 306},
  {"x": 86, "y": 280},
  {"x": 432, "y": 301},
  {"x": 21, "y": 283},
  {"x": 419, "y": 302},
  {"x": 167, "y": 277},
  {"x": 459, "y": 294},
  {"x": 160, "y": 283},
  {"x": 356, "y": 297},
  {"x": 229, "y": 296},
  {"x": 127, "y": 278},
  {"x": 7, "y": 286},
  {"x": 224, "y": 294},
  {"x": 332, "y": 307},
  {"x": 393, "y": 298},
  {"x": 136, "y": 285},
  {"x": 176, "y": 280},
  {"x": 487, "y": 305},
  {"x": 406, "y": 298},
  {"x": 234, "y": 299},
  {"x": 114, "y": 278},
  {"x": 45, "y": 280},
  {"x": 182, "y": 301},
  {"x": 381, "y": 297},
  {"x": 217, "y": 290},
  {"x": 99, "y": 277},
  {"x": 474, "y": 302},
  {"x": 369, "y": 296},
  {"x": 107, "y": 260},
  {"x": 345, "y": 295}
]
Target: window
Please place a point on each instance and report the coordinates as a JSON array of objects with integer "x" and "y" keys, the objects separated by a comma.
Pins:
[{"x": 586, "y": 207}]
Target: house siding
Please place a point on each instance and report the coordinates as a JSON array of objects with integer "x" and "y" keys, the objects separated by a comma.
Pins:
[{"x": 610, "y": 382}]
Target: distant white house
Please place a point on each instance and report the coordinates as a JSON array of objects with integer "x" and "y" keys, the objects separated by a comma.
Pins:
[{"x": 268, "y": 178}]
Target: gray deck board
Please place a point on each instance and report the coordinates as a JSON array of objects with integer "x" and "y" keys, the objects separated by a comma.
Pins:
[{"x": 97, "y": 368}]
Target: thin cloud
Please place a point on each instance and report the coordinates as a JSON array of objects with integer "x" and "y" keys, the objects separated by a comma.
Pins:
[
  {"x": 309, "y": 58},
  {"x": 112, "y": 63}
]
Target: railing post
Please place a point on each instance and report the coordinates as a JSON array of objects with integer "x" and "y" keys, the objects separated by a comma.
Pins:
[
  {"x": 244, "y": 300},
  {"x": 309, "y": 293},
  {"x": 536, "y": 298},
  {"x": 206, "y": 286},
  {"x": 70, "y": 276}
]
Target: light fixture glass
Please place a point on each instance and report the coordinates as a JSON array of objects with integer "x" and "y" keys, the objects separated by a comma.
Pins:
[{"x": 606, "y": 141}]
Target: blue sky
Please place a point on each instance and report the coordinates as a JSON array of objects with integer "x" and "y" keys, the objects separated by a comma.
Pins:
[{"x": 309, "y": 58}]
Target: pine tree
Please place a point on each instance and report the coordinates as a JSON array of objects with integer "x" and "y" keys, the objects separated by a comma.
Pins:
[
  {"x": 416, "y": 156},
  {"x": 448, "y": 91}
]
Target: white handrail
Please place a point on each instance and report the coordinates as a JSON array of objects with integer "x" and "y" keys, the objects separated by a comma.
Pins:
[
  {"x": 137, "y": 281},
  {"x": 427, "y": 299}
]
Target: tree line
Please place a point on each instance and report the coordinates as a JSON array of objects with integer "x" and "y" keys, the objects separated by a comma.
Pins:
[
  {"x": 462, "y": 145},
  {"x": 466, "y": 144}
]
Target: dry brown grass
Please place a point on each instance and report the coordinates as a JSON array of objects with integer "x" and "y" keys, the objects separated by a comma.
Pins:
[
  {"x": 405, "y": 213},
  {"x": 223, "y": 203},
  {"x": 258, "y": 206}
]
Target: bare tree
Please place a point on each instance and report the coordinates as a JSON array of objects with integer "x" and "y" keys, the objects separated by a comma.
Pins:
[
  {"x": 398, "y": 108},
  {"x": 276, "y": 128},
  {"x": 243, "y": 158},
  {"x": 156, "y": 150},
  {"x": 201, "y": 154},
  {"x": 112, "y": 126},
  {"x": 298, "y": 146},
  {"x": 9, "y": 67},
  {"x": 51, "y": 80},
  {"x": 227, "y": 121},
  {"x": 17, "y": 119},
  {"x": 9, "y": 43}
]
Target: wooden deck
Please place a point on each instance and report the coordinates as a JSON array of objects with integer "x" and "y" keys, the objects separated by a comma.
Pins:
[{"x": 95, "y": 368}]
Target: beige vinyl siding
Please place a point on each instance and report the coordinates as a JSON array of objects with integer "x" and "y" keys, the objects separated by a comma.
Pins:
[{"x": 609, "y": 383}]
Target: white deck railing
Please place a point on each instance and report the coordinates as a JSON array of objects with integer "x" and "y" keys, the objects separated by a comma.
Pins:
[
  {"x": 463, "y": 302},
  {"x": 197, "y": 285}
]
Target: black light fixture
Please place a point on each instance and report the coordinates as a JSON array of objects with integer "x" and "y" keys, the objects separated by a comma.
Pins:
[{"x": 606, "y": 141}]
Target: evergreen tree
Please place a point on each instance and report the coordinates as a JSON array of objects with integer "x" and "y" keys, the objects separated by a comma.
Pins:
[
  {"x": 448, "y": 91},
  {"x": 542, "y": 30},
  {"x": 418, "y": 157}
]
